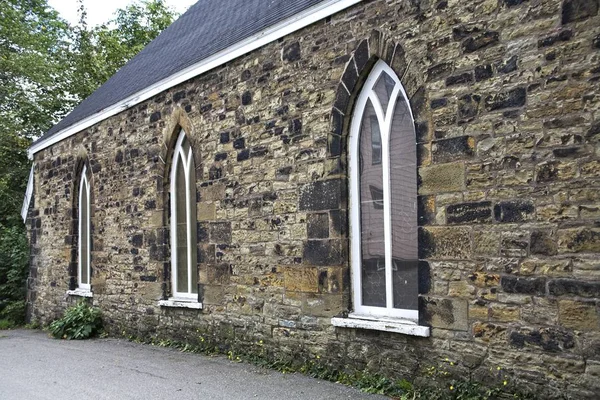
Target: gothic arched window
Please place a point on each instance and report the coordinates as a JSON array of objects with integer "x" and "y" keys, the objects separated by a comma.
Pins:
[
  {"x": 383, "y": 193},
  {"x": 184, "y": 266}
]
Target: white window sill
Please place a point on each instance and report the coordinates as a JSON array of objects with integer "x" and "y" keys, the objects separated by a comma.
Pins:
[
  {"x": 80, "y": 293},
  {"x": 401, "y": 326},
  {"x": 180, "y": 303}
]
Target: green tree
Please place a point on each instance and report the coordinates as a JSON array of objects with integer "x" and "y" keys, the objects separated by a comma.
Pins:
[
  {"x": 46, "y": 67},
  {"x": 102, "y": 50}
]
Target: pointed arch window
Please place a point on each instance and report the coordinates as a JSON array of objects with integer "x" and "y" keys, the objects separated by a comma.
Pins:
[
  {"x": 383, "y": 192},
  {"x": 184, "y": 266},
  {"x": 84, "y": 235}
]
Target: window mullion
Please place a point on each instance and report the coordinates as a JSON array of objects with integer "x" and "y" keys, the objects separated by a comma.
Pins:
[
  {"x": 188, "y": 209},
  {"x": 387, "y": 220}
]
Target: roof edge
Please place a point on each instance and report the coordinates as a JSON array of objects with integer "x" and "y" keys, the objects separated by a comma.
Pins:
[{"x": 283, "y": 28}]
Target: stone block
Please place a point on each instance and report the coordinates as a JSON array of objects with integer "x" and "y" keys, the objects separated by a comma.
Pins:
[
  {"x": 446, "y": 313},
  {"x": 291, "y": 52},
  {"x": 548, "y": 339},
  {"x": 543, "y": 243},
  {"x": 504, "y": 313},
  {"x": 436, "y": 179},
  {"x": 206, "y": 211},
  {"x": 578, "y": 10},
  {"x": 453, "y": 149},
  {"x": 578, "y": 315},
  {"x": 489, "y": 332},
  {"x": 301, "y": 279},
  {"x": 220, "y": 232},
  {"x": 581, "y": 240},
  {"x": 529, "y": 286},
  {"x": 318, "y": 226},
  {"x": 480, "y": 41},
  {"x": 323, "y": 252},
  {"x": 507, "y": 99},
  {"x": 487, "y": 243},
  {"x": 572, "y": 287},
  {"x": 321, "y": 195},
  {"x": 514, "y": 211},
  {"x": 469, "y": 213},
  {"x": 451, "y": 243}
]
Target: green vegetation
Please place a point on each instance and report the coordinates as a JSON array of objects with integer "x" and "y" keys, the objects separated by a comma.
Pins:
[
  {"x": 79, "y": 322},
  {"x": 46, "y": 68},
  {"x": 442, "y": 382}
]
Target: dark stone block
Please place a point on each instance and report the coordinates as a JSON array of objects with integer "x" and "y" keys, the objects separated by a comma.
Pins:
[
  {"x": 417, "y": 102},
  {"x": 295, "y": 127},
  {"x": 466, "y": 77},
  {"x": 578, "y": 10},
  {"x": 547, "y": 172},
  {"x": 205, "y": 107},
  {"x": 468, "y": 106},
  {"x": 549, "y": 339},
  {"x": 350, "y": 77},
  {"x": 150, "y": 205},
  {"x": 593, "y": 132},
  {"x": 148, "y": 278},
  {"x": 469, "y": 213},
  {"x": 137, "y": 240},
  {"x": 215, "y": 172},
  {"x": 512, "y": 98},
  {"x": 243, "y": 155},
  {"x": 446, "y": 150},
  {"x": 178, "y": 96},
  {"x": 422, "y": 131},
  {"x": 507, "y": 66},
  {"x": 462, "y": 31},
  {"x": 337, "y": 122},
  {"x": 220, "y": 156},
  {"x": 246, "y": 98},
  {"x": 318, "y": 226},
  {"x": 542, "y": 243},
  {"x": 321, "y": 195},
  {"x": 438, "y": 103},
  {"x": 596, "y": 42},
  {"x": 323, "y": 252},
  {"x": 259, "y": 151},
  {"x": 483, "y": 72},
  {"x": 514, "y": 211},
  {"x": 291, "y": 52},
  {"x": 119, "y": 157},
  {"x": 567, "y": 152},
  {"x": 481, "y": 41},
  {"x": 342, "y": 97},
  {"x": 425, "y": 210},
  {"x": 439, "y": 71},
  {"x": 562, "y": 36},
  {"x": 426, "y": 244},
  {"x": 334, "y": 145},
  {"x": 571, "y": 287},
  {"x": 424, "y": 277},
  {"x": 239, "y": 143},
  {"x": 530, "y": 286},
  {"x": 220, "y": 232},
  {"x": 361, "y": 55},
  {"x": 339, "y": 222},
  {"x": 246, "y": 74},
  {"x": 155, "y": 117}
]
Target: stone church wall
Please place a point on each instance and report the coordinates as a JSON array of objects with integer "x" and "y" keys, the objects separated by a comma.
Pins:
[{"x": 506, "y": 99}]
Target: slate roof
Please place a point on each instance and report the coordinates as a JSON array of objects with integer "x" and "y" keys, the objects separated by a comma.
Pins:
[{"x": 208, "y": 27}]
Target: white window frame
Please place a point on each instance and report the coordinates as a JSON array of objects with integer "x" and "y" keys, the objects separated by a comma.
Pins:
[
  {"x": 84, "y": 185},
  {"x": 385, "y": 120},
  {"x": 188, "y": 165}
]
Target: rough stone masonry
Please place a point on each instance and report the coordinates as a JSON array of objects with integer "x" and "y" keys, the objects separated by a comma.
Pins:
[{"x": 506, "y": 99}]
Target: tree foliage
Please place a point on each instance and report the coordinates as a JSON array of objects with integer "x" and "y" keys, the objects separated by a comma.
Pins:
[{"x": 46, "y": 68}]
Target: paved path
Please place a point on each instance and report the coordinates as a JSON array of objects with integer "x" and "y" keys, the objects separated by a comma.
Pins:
[{"x": 33, "y": 366}]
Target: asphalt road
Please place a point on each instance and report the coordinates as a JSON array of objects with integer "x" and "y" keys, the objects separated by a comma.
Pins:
[{"x": 34, "y": 366}]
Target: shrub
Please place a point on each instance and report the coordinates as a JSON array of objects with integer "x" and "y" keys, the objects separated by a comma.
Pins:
[{"x": 79, "y": 322}]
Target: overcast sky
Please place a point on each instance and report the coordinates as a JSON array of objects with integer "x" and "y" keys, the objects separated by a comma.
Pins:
[{"x": 100, "y": 11}]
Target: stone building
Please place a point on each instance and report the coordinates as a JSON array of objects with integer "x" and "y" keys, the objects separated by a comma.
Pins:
[{"x": 381, "y": 184}]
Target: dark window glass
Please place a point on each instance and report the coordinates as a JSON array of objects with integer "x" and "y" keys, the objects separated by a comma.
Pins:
[
  {"x": 403, "y": 186},
  {"x": 384, "y": 88},
  {"x": 181, "y": 223},
  {"x": 371, "y": 216},
  {"x": 84, "y": 236}
]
